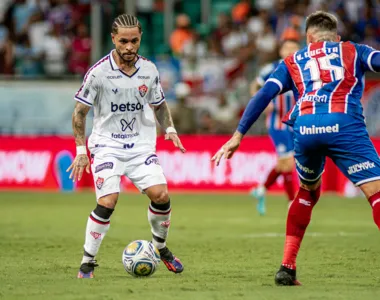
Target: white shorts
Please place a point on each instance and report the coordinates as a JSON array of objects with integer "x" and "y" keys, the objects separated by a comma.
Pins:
[{"x": 144, "y": 170}]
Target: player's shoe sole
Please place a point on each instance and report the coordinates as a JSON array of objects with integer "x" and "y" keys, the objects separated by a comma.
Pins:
[
  {"x": 86, "y": 270},
  {"x": 172, "y": 263},
  {"x": 261, "y": 202},
  {"x": 286, "y": 277}
]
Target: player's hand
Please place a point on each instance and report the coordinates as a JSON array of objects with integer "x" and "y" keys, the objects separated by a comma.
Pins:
[
  {"x": 80, "y": 163},
  {"x": 176, "y": 141},
  {"x": 228, "y": 149}
]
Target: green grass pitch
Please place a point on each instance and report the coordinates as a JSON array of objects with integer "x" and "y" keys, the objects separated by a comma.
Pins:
[{"x": 229, "y": 252}]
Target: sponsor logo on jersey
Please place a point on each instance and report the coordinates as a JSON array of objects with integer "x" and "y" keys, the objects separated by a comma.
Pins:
[
  {"x": 99, "y": 182},
  {"x": 124, "y": 136},
  {"x": 114, "y": 77},
  {"x": 306, "y": 130},
  {"x": 153, "y": 159},
  {"x": 96, "y": 235},
  {"x": 103, "y": 166},
  {"x": 126, "y": 107},
  {"x": 143, "y": 90},
  {"x": 303, "y": 168},
  {"x": 115, "y": 91},
  {"x": 360, "y": 167},
  {"x": 125, "y": 124},
  {"x": 143, "y": 77},
  {"x": 313, "y": 98}
]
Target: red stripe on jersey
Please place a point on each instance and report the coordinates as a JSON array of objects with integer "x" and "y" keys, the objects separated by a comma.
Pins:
[
  {"x": 295, "y": 73},
  {"x": 338, "y": 97},
  {"x": 306, "y": 107}
]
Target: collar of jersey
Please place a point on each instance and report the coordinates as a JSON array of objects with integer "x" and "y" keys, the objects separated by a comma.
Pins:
[{"x": 115, "y": 67}]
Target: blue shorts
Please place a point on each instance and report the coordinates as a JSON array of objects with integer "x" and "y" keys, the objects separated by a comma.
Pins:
[
  {"x": 283, "y": 141},
  {"x": 343, "y": 138}
]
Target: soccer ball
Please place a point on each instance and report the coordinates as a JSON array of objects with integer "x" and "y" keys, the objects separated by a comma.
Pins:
[{"x": 141, "y": 258}]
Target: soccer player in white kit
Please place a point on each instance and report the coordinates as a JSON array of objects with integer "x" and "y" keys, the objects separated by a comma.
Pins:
[{"x": 125, "y": 91}]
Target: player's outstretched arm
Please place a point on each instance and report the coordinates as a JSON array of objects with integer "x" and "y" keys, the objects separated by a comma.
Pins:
[
  {"x": 255, "y": 107},
  {"x": 81, "y": 160},
  {"x": 164, "y": 117}
]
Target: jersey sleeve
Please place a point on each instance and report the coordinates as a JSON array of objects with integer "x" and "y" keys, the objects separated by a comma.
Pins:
[
  {"x": 282, "y": 78},
  {"x": 264, "y": 74},
  {"x": 156, "y": 95},
  {"x": 366, "y": 56},
  {"x": 89, "y": 89}
]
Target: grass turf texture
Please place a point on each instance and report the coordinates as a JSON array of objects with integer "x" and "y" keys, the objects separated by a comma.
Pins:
[{"x": 229, "y": 252}]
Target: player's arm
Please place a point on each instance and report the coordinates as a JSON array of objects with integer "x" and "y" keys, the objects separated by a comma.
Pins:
[
  {"x": 375, "y": 61},
  {"x": 369, "y": 57},
  {"x": 81, "y": 160},
  {"x": 84, "y": 100},
  {"x": 79, "y": 123},
  {"x": 165, "y": 120},
  {"x": 279, "y": 82}
]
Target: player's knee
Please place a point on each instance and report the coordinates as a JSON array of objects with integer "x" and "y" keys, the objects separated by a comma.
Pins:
[
  {"x": 109, "y": 201},
  {"x": 370, "y": 188},
  {"x": 160, "y": 197},
  {"x": 310, "y": 186}
]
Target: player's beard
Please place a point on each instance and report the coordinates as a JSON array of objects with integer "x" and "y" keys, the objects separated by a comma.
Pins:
[{"x": 127, "y": 61}]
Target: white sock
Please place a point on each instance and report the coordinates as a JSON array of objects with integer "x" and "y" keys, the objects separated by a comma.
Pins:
[
  {"x": 96, "y": 230},
  {"x": 159, "y": 221}
]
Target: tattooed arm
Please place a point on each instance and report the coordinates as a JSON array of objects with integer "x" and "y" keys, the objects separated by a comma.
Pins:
[
  {"x": 164, "y": 117},
  {"x": 81, "y": 160},
  {"x": 79, "y": 123}
]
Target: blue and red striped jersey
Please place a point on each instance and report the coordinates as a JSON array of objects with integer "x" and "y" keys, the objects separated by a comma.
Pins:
[
  {"x": 281, "y": 104},
  {"x": 326, "y": 77}
]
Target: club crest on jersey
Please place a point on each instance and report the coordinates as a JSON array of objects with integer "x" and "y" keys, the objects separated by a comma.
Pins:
[
  {"x": 153, "y": 159},
  {"x": 143, "y": 90},
  {"x": 99, "y": 182}
]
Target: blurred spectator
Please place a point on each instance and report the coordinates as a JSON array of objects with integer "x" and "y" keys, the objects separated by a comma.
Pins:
[
  {"x": 55, "y": 49},
  {"x": 27, "y": 58},
  {"x": 21, "y": 14},
  {"x": 226, "y": 113},
  {"x": 61, "y": 13},
  {"x": 266, "y": 44},
  {"x": 4, "y": 5},
  {"x": 196, "y": 46},
  {"x": 241, "y": 11},
  {"x": 38, "y": 29},
  {"x": 183, "y": 114},
  {"x": 80, "y": 53},
  {"x": 181, "y": 34},
  {"x": 6, "y": 51},
  {"x": 207, "y": 125},
  {"x": 370, "y": 37}
]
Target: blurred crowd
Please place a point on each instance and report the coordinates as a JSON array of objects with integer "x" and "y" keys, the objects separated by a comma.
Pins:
[
  {"x": 44, "y": 37},
  {"x": 217, "y": 60}
]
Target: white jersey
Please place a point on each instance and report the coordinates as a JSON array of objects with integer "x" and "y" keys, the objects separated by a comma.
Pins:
[{"x": 123, "y": 117}]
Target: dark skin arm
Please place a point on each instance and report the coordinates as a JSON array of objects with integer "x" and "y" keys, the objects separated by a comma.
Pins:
[
  {"x": 165, "y": 120},
  {"x": 81, "y": 161}
]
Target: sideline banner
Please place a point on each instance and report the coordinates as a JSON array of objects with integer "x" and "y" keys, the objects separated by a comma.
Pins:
[{"x": 40, "y": 163}]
